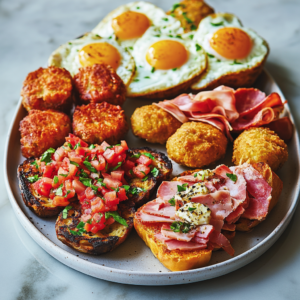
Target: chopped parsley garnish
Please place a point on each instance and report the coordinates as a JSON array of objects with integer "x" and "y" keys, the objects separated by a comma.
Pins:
[
  {"x": 145, "y": 178},
  {"x": 88, "y": 182},
  {"x": 174, "y": 69},
  {"x": 233, "y": 177},
  {"x": 155, "y": 172},
  {"x": 191, "y": 208},
  {"x": 137, "y": 7},
  {"x": 191, "y": 36},
  {"x": 89, "y": 166},
  {"x": 116, "y": 217},
  {"x": 203, "y": 177},
  {"x": 172, "y": 201},
  {"x": 187, "y": 18},
  {"x": 147, "y": 77},
  {"x": 74, "y": 163},
  {"x": 210, "y": 55},
  {"x": 55, "y": 179},
  {"x": 109, "y": 147},
  {"x": 182, "y": 188},
  {"x": 176, "y": 5},
  {"x": 136, "y": 155},
  {"x": 34, "y": 163},
  {"x": 170, "y": 35},
  {"x": 100, "y": 181},
  {"x": 92, "y": 146},
  {"x": 136, "y": 80},
  {"x": 193, "y": 27},
  {"x": 165, "y": 19},
  {"x": 83, "y": 174},
  {"x": 136, "y": 190},
  {"x": 59, "y": 191},
  {"x": 80, "y": 228},
  {"x": 77, "y": 145},
  {"x": 131, "y": 173},
  {"x": 148, "y": 155},
  {"x": 63, "y": 175},
  {"x": 117, "y": 166},
  {"x": 152, "y": 70},
  {"x": 46, "y": 157},
  {"x": 198, "y": 47},
  {"x": 70, "y": 146},
  {"x": 217, "y": 24},
  {"x": 195, "y": 175},
  {"x": 131, "y": 48},
  {"x": 33, "y": 178},
  {"x": 235, "y": 62},
  {"x": 68, "y": 192},
  {"x": 126, "y": 187},
  {"x": 180, "y": 227},
  {"x": 65, "y": 211},
  {"x": 157, "y": 35},
  {"x": 178, "y": 36}
]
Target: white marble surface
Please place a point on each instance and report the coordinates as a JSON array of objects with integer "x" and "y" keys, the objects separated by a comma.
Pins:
[{"x": 29, "y": 31}]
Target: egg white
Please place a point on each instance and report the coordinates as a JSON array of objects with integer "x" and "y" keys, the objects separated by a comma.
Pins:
[
  {"x": 156, "y": 15},
  {"x": 146, "y": 81},
  {"x": 66, "y": 56},
  {"x": 219, "y": 66}
]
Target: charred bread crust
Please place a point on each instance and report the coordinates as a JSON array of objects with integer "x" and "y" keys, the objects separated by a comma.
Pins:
[
  {"x": 40, "y": 205},
  {"x": 162, "y": 163},
  {"x": 174, "y": 260},
  {"x": 275, "y": 182},
  {"x": 104, "y": 240}
]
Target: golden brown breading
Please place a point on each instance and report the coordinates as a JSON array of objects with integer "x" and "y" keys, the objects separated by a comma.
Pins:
[
  {"x": 48, "y": 88},
  {"x": 260, "y": 145},
  {"x": 190, "y": 13},
  {"x": 99, "y": 83},
  {"x": 196, "y": 144},
  {"x": 41, "y": 130},
  {"x": 153, "y": 124},
  {"x": 98, "y": 122}
]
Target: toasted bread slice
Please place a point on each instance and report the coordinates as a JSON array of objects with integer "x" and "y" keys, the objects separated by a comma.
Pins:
[
  {"x": 101, "y": 242},
  {"x": 174, "y": 260},
  {"x": 275, "y": 182},
  {"x": 145, "y": 188},
  {"x": 40, "y": 205}
]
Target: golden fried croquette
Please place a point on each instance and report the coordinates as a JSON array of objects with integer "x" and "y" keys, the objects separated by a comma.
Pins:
[
  {"x": 190, "y": 13},
  {"x": 98, "y": 122},
  {"x": 99, "y": 83},
  {"x": 48, "y": 88},
  {"x": 196, "y": 144},
  {"x": 153, "y": 124},
  {"x": 41, "y": 130},
  {"x": 260, "y": 145}
]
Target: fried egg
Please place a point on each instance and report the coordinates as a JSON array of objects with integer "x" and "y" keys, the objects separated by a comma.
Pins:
[
  {"x": 163, "y": 62},
  {"x": 230, "y": 47},
  {"x": 129, "y": 22},
  {"x": 92, "y": 49}
]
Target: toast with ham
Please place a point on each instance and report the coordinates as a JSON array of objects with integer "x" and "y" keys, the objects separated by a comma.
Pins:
[{"x": 236, "y": 198}]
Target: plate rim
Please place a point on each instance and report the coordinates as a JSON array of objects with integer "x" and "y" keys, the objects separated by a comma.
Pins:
[{"x": 139, "y": 277}]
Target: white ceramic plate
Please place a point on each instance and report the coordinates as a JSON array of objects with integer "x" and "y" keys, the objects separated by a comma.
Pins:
[{"x": 133, "y": 262}]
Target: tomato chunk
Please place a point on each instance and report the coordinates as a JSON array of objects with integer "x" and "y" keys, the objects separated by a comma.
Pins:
[
  {"x": 78, "y": 186},
  {"x": 144, "y": 160},
  {"x": 122, "y": 194},
  {"x": 73, "y": 140},
  {"x": 60, "y": 201},
  {"x": 141, "y": 171},
  {"x": 124, "y": 145},
  {"x": 112, "y": 183},
  {"x": 109, "y": 155},
  {"x": 119, "y": 174}
]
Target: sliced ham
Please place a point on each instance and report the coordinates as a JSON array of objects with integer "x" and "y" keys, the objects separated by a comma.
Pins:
[
  {"x": 143, "y": 217},
  {"x": 184, "y": 246},
  {"x": 167, "y": 232},
  {"x": 260, "y": 192},
  {"x": 199, "y": 240},
  {"x": 159, "y": 209},
  {"x": 235, "y": 215},
  {"x": 222, "y": 170},
  {"x": 220, "y": 240},
  {"x": 203, "y": 231},
  {"x": 167, "y": 189},
  {"x": 161, "y": 237},
  {"x": 229, "y": 227}
]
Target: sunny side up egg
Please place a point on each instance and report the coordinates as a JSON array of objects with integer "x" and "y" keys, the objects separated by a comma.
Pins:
[
  {"x": 166, "y": 64},
  {"x": 92, "y": 49},
  {"x": 230, "y": 47},
  {"x": 129, "y": 22}
]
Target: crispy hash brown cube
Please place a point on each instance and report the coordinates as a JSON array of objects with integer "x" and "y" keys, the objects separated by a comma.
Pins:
[
  {"x": 41, "y": 130},
  {"x": 153, "y": 124},
  {"x": 98, "y": 122},
  {"x": 99, "y": 83},
  {"x": 48, "y": 88}
]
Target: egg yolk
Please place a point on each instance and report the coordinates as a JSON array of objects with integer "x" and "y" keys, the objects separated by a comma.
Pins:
[
  {"x": 130, "y": 25},
  {"x": 166, "y": 54},
  {"x": 231, "y": 43},
  {"x": 99, "y": 53}
]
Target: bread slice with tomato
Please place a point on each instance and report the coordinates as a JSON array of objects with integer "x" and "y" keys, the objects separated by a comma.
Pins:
[{"x": 71, "y": 231}]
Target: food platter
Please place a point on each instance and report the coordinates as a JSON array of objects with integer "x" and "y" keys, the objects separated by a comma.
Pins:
[{"x": 133, "y": 262}]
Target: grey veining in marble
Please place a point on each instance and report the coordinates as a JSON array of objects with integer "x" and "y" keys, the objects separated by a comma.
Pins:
[{"x": 29, "y": 32}]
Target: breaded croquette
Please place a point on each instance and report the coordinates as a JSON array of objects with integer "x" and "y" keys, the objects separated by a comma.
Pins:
[
  {"x": 260, "y": 145},
  {"x": 153, "y": 124},
  {"x": 41, "y": 130},
  {"x": 99, "y": 83},
  {"x": 196, "y": 144},
  {"x": 98, "y": 122},
  {"x": 48, "y": 88}
]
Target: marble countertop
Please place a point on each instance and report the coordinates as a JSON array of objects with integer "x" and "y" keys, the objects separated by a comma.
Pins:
[{"x": 30, "y": 31}]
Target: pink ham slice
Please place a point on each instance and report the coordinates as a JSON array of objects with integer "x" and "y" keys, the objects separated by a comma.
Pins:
[
  {"x": 229, "y": 227},
  {"x": 161, "y": 237},
  {"x": 143, "y": 217},
  {"x": 167, "y": 232},
  {"x": 220, "y": 240},
  {"x": 168, "y": 189},
  {"x": 203, "y": 231},
  {"x": 159, "y": 209},
  {"x": 199, "y": 240},
  {"x": 184, "y": 246},
  {"x": 260, "y": 191}
]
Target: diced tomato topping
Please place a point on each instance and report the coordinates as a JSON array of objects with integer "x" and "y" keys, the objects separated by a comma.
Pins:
[
  {"x": 119, "y": 150},
  {"x": 144, "y": 160},
  {"x": 72, "y": 171},
  {"x": 112, "y": 183},
  {"x": 78, "y": 186},
  {"x": 119, "y": 174},
  {"x": 110, "y": 221},
  {"x": 113, "y": 208},
  {"x": 80, "y": 151},
  {"x": 141, "y": 171},
  {"x": 97, "y": 205},
  {"x": 88, "y": 227},
  {"x": 97, "y": 227},
  {"x": 102, "y": 162},
  {"x": 89, "y": 193},
  {"x": 104, "y": 145},
  {"x": 96, "y": 165},
  {"x": 43, "y": 186},
  {"x": 74, "y": 140},
  {"x": 122, "y": 194},
  {"x": 124, "y": 145},
  {"x": 60, "y": 201},
  {"x": 75, "y": 157},
  {"x": 111, "y": 198},
  {"x": 128, "y": 165},
  {"x": 48, "y": 170},
  {"x": 109, "y": 155},
  {"x": 59, "y": 154},
  {"x": 105, "y": 175},
  {"x": 98, "y": 218}
]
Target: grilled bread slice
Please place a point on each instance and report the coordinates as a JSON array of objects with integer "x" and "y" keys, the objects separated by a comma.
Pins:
[
  {"x": 174, "y": 260},
  {"x": 101, "y": 242},
  {"x": 40, "y": 205},
  {"x": 145, "y": 188}
]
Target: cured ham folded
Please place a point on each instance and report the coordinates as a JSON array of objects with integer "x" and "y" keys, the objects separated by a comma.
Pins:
[{"x": 226, "y": 108}]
